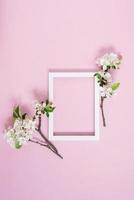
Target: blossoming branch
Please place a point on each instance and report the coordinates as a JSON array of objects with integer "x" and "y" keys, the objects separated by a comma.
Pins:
[
  {"x": 25, "y": 128},
  {"x": 107, "y": 63}
]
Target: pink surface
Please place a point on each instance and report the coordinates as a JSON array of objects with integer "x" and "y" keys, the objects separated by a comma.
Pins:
[
  {"x": 74, "y": 101},
  {"x": 38, "y": 36}
]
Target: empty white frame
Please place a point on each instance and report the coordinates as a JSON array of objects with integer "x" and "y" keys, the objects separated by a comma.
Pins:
[{"x": 52, "y": 136}]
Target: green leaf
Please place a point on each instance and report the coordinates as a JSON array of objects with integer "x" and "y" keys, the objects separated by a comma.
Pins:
[
  {"x": 98, "y": 76},
  {"x": 17, "y": 110},
  {"x": 17, "y": 145},
  {"x": 49, "y": 109},
  {"x": 45, "y": 110},
  {"x": 15, "y": 116},
  {"x": 115, "y": 86},
  {"x": 17, "y": 113},
  {"x": 113, "y": 67}
]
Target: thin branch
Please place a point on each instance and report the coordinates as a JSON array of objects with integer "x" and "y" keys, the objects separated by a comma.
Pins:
[
  {"x": 57, "y": 153},
  {"x": 102, "y": 111},
  {"x": 38, "y": 139},
  {"x": 43, "y": 136},
  {"x": 38, "y": 142},
  {"x": 46, "y": 142},
  {"x": 45, "y": 145},
  {"x": 39, "y": 125}
]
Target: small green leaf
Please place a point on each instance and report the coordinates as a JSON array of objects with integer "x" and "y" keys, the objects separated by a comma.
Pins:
[
  {"x": 17, "y": 113},
  {"x": 49, "y": 109},
  {"x": 45, "y": 110},
  {"x": 113, "y": 67},
  {"x": 98, "y": 76},
  {"x": 17, "y": 145},
  {"x": 115, "y": 86},
  {"x": 15, "y": 116},
  {"x": 17, "y": 110}
]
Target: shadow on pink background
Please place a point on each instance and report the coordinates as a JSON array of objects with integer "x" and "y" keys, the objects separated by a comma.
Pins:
[{"x": 39, "y": 36}]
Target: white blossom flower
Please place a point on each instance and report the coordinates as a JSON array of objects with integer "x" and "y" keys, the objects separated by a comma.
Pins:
[
  {"x": 38, "y": 107},
  {"x": 43, "y": 108},
  {"x": 10, "y": 136},
  {"x": 105, "y": 75},
  {"x": 44, "y": 104},
  {"x": 104, "y": 67},
  {"x": 109, "y": 60},
  {"x": 21, "y": 132},
  {"x": 106, "y": 91}
]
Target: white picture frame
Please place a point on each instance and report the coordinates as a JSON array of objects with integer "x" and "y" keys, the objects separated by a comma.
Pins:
[{"x": 96, "y": 135}]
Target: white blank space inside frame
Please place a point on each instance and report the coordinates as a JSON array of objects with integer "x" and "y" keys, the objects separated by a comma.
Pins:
[{"x": 76, "y": 98}]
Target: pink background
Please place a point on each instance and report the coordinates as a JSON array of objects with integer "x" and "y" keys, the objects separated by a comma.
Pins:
[
  {"x": 75, "y": 105},
  {"x": 38, "y": 36}
]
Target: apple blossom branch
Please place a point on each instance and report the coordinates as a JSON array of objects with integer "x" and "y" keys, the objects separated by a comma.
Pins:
[
  {"x": 23, "y": 127},
  {"x": 108, "y": 62}
]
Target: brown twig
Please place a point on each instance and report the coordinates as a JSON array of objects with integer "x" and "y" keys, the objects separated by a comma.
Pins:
[
  {"x": 43, "y": 136},
  {"x": 57, "y": 153},
  {"x": 102, "y": 111},
  {"x": 45, "y": 145},
  {"x": 46, "y": 141},
  {"x": 38, "y": 142}
]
